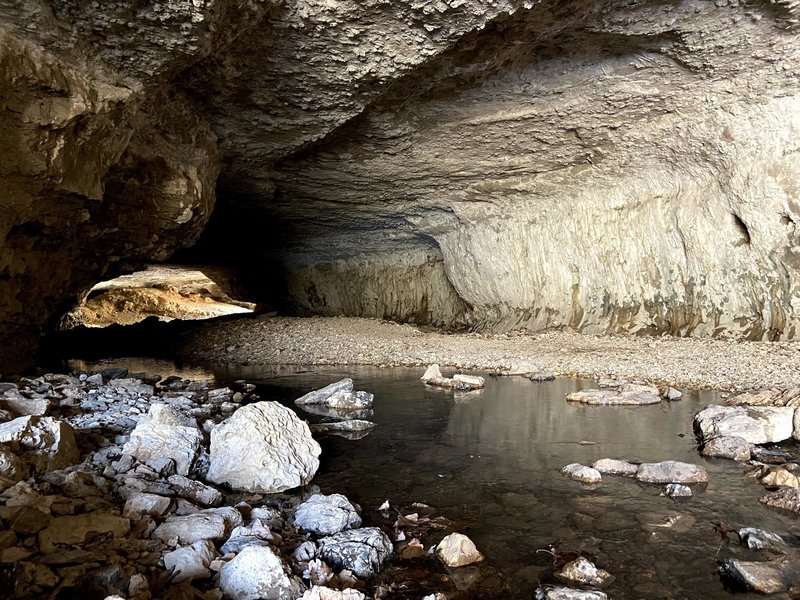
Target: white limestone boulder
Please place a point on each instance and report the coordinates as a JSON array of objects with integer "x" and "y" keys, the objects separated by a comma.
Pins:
[
  {"x": 755, "y": 424},
  {"x": 457, "y": 550},
  {"x": 165, "y": 433},
  {"x": 326, "y": 515},
  {"x": 257, "y": 572},
  {"x": 263, "y": 448}
]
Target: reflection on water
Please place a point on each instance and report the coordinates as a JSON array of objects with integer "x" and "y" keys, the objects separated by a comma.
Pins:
[{"x": 491, "y": 461}]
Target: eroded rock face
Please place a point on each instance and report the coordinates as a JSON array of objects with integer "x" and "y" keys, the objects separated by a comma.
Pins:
[{"x": 498, "y": 164}]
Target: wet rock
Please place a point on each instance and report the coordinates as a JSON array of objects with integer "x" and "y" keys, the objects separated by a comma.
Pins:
[
  {"x": 582, "y": 473},
  {"x": 362, "y": 551},
  {"x": 582, "y": 571},
  {"x": 671, "y": 471},
  {"x": 628, "y": 394},
  {"x": 731, "y": 446},
  {"x": 457, "y": 550},
  {"x": 768, "y": 397},
  {"x": 770, "y": 456},
  {"x": 143, "y": 503},
  {"x": 781, "y": 477},
  {"x": 755, "y": 424},
  {"x": 672, "y": 394},
  {"x": 758, "y": 539},
  {"x": 433, "y": 376},
  {"x": 762, "y": 577},
  {"x": 784, "y": 498},
  {"x": 354, "y": 429},
  {"x": 263, "y": 448},
  {"x": 191, "y": 562},
  {"x": 165, "y": 433},
  {"x": 324, "y": 593},
  {"x": 542, "y": 376},
  {"x": 78, "y": 529},
  {"x": 195, "y": 491},
  {"x": 611, "y": 466},
  {"x": 551, "y": 592},
  {"x": 257, "y": 572},
  {"x": 676, "y": 490},
  {"x": 45, "y": 443},
  {"x": 338, "y": 395},
  {"x": 326, "y": 515}
]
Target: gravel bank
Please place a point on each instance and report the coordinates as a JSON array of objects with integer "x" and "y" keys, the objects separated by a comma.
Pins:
[{"x": 692, "y": 363}]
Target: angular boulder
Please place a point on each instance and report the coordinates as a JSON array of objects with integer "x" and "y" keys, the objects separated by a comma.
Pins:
[
  {"x": 326, "y": 515},
  {"x": 77, "y": 529},
  {"x": 457, "y": 550},
  {"x": 45, "y": 443},
  {"x": 755, "y": 424},
  {"x": 190, "y": 562},
  {"x": 263, "y": 448},
  {"x": 671, "y": 471},
  {"x": 360, "y": 550},
  {"x": 733, "y": 447},
  {"x": 257, "y": 572},
  {"x": 165, "y": 433}
]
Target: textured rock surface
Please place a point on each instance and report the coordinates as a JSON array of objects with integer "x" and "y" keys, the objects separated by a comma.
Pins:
[
  {"x": 619, "y": 168},
  {"x": 46, "y": 443},
  {"x": 165, "y": 433},
  {"x": 263, "y": 448},
  {"x": 326, "y": 515},
  {"x": 257, "y": 572},
  {"x": 360, "y": 550},
  {"x": 671, "y": 471},
  {"x": 457, "y": 550},
  {"x": 755, "y": 424}
]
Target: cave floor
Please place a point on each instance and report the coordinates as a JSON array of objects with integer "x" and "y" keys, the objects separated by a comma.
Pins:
[{"x": 684, "y": 362}]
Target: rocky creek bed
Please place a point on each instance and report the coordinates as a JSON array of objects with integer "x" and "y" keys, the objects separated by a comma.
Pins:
[{"x": 143, "y": 487}]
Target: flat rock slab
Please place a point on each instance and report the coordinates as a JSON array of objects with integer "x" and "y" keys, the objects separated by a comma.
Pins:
[
  {"x": 338, "y": 395},
  {"x": 754, "y": 424},
  {"x": 360, "y": 550},
  {"x": 763, "y": 577},
  {"x": 326, "y": 515},
  {"x": 77, "y": 529},
  {"x": 628, "y": 394},
  {"x": 733, "y": 447},
  {"x": 263, "y": 448},
  {"x": 671, "y": 471},
  {"x": 612, "y": 466},
  {"x": 433, "y": 376}
]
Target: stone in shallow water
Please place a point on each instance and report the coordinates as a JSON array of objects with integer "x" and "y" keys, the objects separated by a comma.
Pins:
[
  {"x": 338, "y": 395},
  {"x": 362, "y": 551},
  {"x": 582, "y": 473},
  {"x": 433, "y": 376},
  {"x": 263, "y": 448},
  {"x": 671, "y": 471},
  {"x": 165, "y": 433},
  {"x": 354, "y": 429},
  {"x": 755, "y": 424},
  {"x": 628, "y": 394},
  {"x": 582, "y": 571},
  {"x": 612, "y": 466},
  {"x": 552, "y": 592},
  {"x": 781, "y": 477},
  {"x": 758, "y": 539},
  {"x": 457, "y": 550},
  {"x": 257, "y": 572},
  {"x": 326, "y": 515},
  {"x": 784, "y": 498},
  {"x": 730, "y": 446},
  {"x": 762, "y": 577}
]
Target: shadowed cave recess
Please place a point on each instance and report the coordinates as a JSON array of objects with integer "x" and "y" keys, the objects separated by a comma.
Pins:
[{"x": 610, "y": 167}]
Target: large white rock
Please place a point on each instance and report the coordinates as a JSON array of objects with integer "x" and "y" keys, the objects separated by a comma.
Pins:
[
  {"x": 263, "y": 448},
  {"x": 44, "y": 442},
  {"x": 755, "y": 424},
  {"x": 256, "y": 573},
  {"x": 457, "y": 550},
  {"x": 326, "y": 515},
  {"x": 165, "y": 433},
  {"x": 338, "y": 395},
  {"x": 210, "y": 524}
]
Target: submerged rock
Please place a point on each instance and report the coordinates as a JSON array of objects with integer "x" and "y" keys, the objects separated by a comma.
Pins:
[
  {"x": 354, "y": 429},
  {"x": 165, "y": 433},
  {"x": 582, "y": 473},
  {"x": 628, "y": 394},
  {"x": 671, "y": 471},
  {"x": 326, "y": 515},
  {"x": 263, "y": 448},
  {"x": 676, "y": 490},
  {"x": 612, "y": 466},
  {"x": 781, "y": 477},
  {"x": 339, "y": 395},
  {"x": 754, "y": 424},
  {"x": 362, "y": 551},
  {"x": 552, "y": 592},
  {"x": 457, "y": 550},
  {"x": 257, "y": 572}
]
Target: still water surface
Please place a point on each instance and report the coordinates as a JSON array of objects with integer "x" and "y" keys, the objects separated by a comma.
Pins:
[{"x": 491, "y": 461}]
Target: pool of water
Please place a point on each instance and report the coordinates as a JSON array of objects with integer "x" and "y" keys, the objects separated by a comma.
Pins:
[{"x": 491, "y": 462}]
